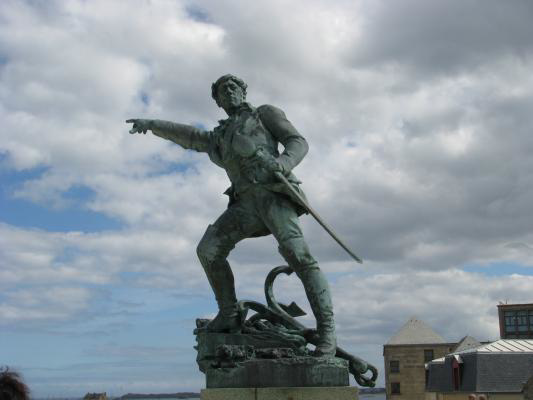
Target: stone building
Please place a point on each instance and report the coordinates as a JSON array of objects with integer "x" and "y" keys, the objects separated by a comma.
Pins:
[
  {"x": 500, "y": 370},
  {"x": 516, "y": 321},
  {"x": 406, "y": 354}
]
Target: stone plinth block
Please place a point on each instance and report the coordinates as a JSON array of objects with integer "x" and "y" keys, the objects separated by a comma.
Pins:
[
  {"x": 287, "y": 393},
  {"x": 281, "y": 372},
  {"x": 209, "y": 345},
  {"x": 265, "y": 360},
  {"x": 209, "y": 342}
]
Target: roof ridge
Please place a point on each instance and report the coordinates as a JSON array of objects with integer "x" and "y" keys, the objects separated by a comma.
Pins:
[{"x": 415, "y": 331}]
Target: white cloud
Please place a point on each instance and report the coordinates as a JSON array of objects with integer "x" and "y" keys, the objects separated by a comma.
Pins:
[
  {"x": 50, "y": 305},
  {"x": 418, "y": 122}
]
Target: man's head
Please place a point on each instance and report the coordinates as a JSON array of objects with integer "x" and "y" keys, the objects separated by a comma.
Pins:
[
  {"x": 12, "y": 387},
  {"x": 229, "y": 92}
]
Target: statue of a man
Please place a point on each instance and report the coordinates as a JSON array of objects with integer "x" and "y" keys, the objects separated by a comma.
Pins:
[{"x": 259, "y": 204}]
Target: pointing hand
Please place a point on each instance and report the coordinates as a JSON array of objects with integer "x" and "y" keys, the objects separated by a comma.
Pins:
[{"x": 140, "y": 125}]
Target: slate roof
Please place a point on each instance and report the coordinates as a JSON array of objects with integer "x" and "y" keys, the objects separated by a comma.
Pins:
[
  {"x": 500, "y": 366},
  {"x": 415, "y": 331},
  {"x": 466, "y": 343},
  {"x": 503, "y": 372}
]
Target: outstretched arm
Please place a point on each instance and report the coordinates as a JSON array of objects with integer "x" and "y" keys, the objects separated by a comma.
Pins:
[{"x": 186, "y": 136}]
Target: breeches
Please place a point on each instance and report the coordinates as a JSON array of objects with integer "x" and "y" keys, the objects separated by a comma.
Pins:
[{"x": 258, "y": 212}]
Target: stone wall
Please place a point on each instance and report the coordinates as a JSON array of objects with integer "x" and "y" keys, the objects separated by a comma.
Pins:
[{"x": 412, "y": 374}]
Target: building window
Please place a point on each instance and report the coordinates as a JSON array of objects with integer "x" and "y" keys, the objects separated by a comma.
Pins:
[
  {"x": 510, "y": 321},
  {"x": 428, "y": 356},
  {"x": 394, "y": 366},
  {"x": 395, "y": 388},
  {"x": 522, "y": 322},
  {"x": 518, "y": 324}
]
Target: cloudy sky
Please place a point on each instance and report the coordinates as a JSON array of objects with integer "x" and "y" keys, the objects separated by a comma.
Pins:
[{"x": 418, "y": 115}]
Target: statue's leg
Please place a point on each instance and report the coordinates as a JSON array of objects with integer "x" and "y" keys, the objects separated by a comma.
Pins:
[
  {"x": 281, "y": 218},
  {"x": 235, "y": 224}
]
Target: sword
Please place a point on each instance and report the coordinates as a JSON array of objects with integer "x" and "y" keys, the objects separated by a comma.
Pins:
[
  {"x": 315, "y": 215},
  {"x": 246, "y": 148}
]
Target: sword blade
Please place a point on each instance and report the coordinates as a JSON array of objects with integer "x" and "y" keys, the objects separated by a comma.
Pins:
[{"x": 317, "y": 217}]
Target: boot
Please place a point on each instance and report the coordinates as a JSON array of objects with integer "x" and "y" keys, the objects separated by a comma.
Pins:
[
  {"x": 228, "y": 318},
  {"x": 296, "y": 253},
  {"x": 317, "y": 291}
]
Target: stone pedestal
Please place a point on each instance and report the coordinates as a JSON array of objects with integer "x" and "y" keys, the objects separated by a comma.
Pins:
[
  {"x": 251, "y": 361},
  {"x": 282, "y": 393},
  {"x": 283, "y": 372}
]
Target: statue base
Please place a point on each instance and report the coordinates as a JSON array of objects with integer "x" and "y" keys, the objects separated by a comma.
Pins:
[
  {"x": 251, "y": 361},
  {"x": 282, "y": 393},
  {"x": 271, "y": 351},
  {"x": 283, "y": 372}
]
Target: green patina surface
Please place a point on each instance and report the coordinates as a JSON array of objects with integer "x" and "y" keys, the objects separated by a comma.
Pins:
[
  {"x": 269, "y": 349},
  {"x": 246, "y": 145}
]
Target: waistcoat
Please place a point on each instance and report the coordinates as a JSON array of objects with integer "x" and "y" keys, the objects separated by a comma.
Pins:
[{"x": 242, "y": 171}]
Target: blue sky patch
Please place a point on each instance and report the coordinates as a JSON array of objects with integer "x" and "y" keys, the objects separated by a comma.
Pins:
[
  {"x": 199, "y": 125},
  {"x": 197, "y": 14},
  {"x": 26, "y": 214},
  {"x": 145, "y": 98},
  {"x": 500, "y": 269},
  {"x": 165, "y": 167}
]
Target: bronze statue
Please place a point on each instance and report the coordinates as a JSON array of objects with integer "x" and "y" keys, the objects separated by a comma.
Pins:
[{"x": 265, "y": 198}]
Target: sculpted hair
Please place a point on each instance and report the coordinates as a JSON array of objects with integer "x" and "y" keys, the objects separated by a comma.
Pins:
[
  {"x": 224, "y": 78},
  {"x": 12, "y": 387}
]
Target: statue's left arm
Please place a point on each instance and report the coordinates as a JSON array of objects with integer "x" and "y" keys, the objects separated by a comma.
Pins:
[{"x": 295, "y": 145}]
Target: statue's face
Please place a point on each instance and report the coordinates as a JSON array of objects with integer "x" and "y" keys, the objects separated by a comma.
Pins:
[{"x": 230, "y": 95}]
